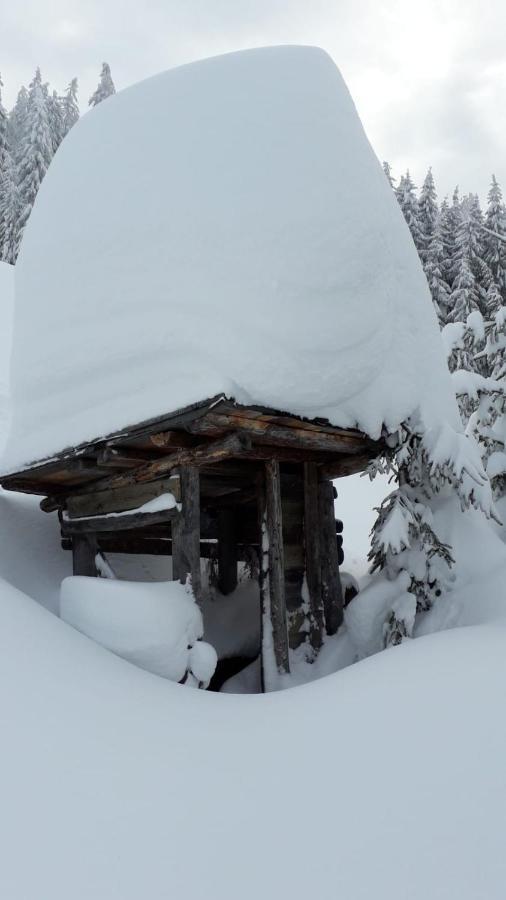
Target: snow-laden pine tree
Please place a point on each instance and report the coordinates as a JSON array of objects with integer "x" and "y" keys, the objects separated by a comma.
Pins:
[
  {"x": 17, "y": 123},
  {"x": 464, "y": 298},
  {"x": 487, "y": 396},
  {"x": 105, "y": 86},
  {"x": 494, "y": 238},
  {"x": 55, "y": 119},
  {"x": 36, "y": 149},
  {"x": 406, "y": 547},
  {"x": 471, "y": 275},
  {"x": 69, "y": 107},
  {"x": 4, "y": 125},
  {"x": 406, "y": 197},
  {"x": 4, "y": 164},
  {"x": 387, "y": 168},
  {"x": 434, "y": 267},
  {"x": 9, "y": 212},
  {"x": 448, "y": 237},
  {"x": 428, "y": 213}
]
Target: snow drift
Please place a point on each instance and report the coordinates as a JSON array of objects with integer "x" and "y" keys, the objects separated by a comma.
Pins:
[
  {"x": 157, "y": 626},
  {"x": 221, "y": 227},
  {"x": 117, "y": 784}
]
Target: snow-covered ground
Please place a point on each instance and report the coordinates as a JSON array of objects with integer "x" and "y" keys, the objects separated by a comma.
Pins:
[{"x": 385, "y": 780}]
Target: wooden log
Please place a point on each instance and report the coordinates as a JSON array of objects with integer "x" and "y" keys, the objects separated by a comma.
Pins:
[
  {"x": 215, "y": 451},
  {"x": 274, "y": 590},
  {"x": 299, "y": 436},
  {"x": 84, "y": 551},
  {"x": 348, "y": 465},
  {"x": 120, "y": 499},
  {"x": 331, "y": 583},
  {"x": 186, "y": 532},
  {"x": 313, "y": 556},
  {"x": 131, "y": 546},
  {"x": 125, "y": 458},
  {"x": 25, "y": 486},
  {"x": 121, "y": 522},
  {"x": 171, "y": 439},
  {"x": 227, "y": 550}
]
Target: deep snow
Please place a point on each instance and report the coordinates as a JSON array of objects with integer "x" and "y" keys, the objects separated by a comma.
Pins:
[
  {"x": 157, "y": 626},
  {"x": 385, "y": 780},
  {"x": 260, "y": 253}
]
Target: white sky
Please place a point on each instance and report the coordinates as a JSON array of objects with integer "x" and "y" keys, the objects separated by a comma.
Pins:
[{"x": 428, "y": 78}]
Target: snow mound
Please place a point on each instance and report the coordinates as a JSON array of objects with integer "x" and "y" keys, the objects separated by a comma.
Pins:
[
  {"x": 224, "y": 227},
  {"x": 157, "y": 626},
  {"x": 165, "y": 792}
]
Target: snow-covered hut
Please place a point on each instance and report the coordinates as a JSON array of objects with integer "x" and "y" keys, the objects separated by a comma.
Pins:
[{"x": 217, "y": 299}]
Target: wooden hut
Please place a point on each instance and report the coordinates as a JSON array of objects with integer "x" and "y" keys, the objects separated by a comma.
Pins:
[
  {"x": 217, "y": 300},
  {"x": 251, "y": 484}
]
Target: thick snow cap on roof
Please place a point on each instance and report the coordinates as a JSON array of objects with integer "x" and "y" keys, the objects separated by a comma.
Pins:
[{"x": 221, "y": 227}]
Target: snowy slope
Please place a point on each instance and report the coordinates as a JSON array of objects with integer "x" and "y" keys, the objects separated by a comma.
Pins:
[
  {"x": 260, "y": 252},
  {"x": 118, "y": 785}
]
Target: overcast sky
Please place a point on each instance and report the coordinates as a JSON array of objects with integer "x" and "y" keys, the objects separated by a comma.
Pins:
[{"x": 428, "y": 77}]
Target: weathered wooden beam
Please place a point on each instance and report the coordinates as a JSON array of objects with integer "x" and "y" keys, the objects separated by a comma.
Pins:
[
  {"x": 125, "y": 458},
  {"x": 119, "y": 499},
  {"x": 348, "y": 465},
  {"x": 227, "y": 550},
  {"x": 273, "y": 581},
  {"x": 264, "y": 431},
  {"x": 38, "y": 488},
  {"x": 121, "y": 522},
  {"x": 84, "y": 551},
  {"x": 186, "y": 532},
  {"x": 313, "y": 555},
  {"x": 332, "y": 593},
  {"x": 215, "y": 451},
  {"x": 171, "y": 439},
  {"x": 130, "y": 545}
]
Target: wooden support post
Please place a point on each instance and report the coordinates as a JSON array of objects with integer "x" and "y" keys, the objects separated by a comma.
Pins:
[
  {"x": 331, "y": 582},
  {"x": 227, "y": 550},
  {"x": 274, "y": 629},
  {"x": 84, "y": 551},
  {"x": 292, "y": 505},
  {"x": 313, "y": 555},
  {"x": 186, "y": 532}
]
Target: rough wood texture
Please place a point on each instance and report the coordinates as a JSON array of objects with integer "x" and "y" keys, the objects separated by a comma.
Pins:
[
  {"x": 292, "y": 505},
  {"x": 263, "y": 431},
  {"x": 155, "y": 546},
  {"x": 331, "y": 583},
  {"x": 227, "y": 550},
  {"x": 215, "y": 451},
  {"x": 186, "y": 532},
  {"x": 84, "y": 551},
  {"x": 313, "y": 555},
  {"x": 125, "y": 457},
  {"x": 347, "y": 465},
  {"x": 274, "y": 526},
  {"x": 121, "y": 499},
  {"x": 118, "y": 523},
  {"x": 172, "y": 430}
]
